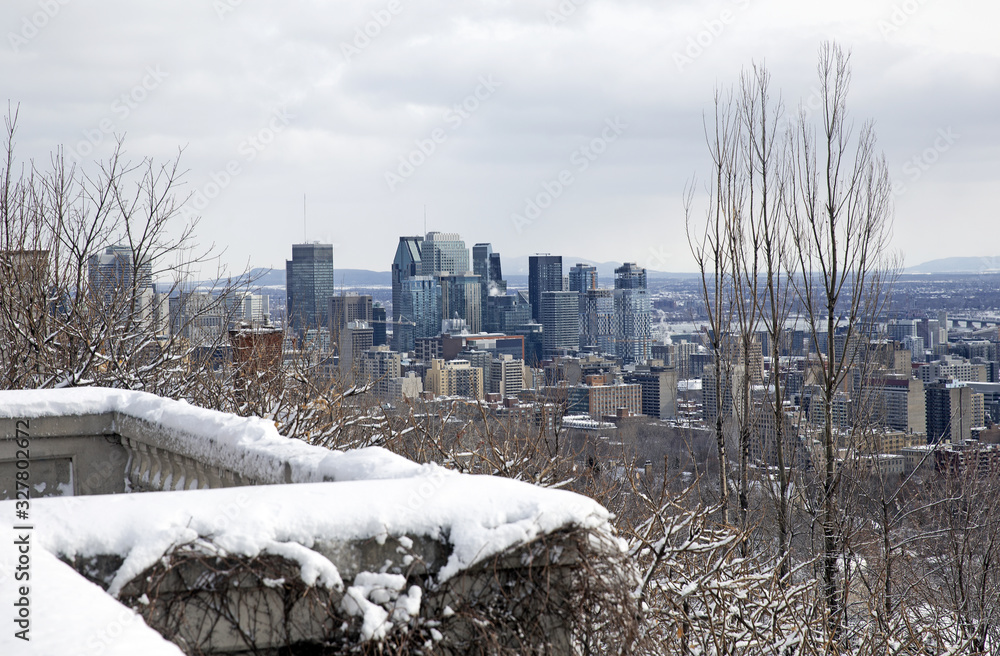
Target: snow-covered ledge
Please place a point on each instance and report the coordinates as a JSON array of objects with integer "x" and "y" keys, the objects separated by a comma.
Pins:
[
  {"x": 341, "y": 547},
  {"x": 101, "y": 441}
]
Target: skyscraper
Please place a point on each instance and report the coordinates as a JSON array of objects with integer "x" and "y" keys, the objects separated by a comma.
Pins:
[
  {"x": 582, "y": 277},
  {"x": 122, "y": 288},
  {"x": 633, "y": 328},
  {"x": 443, "y": 252},
  {"x": 496, "y": 275},
  {"x": 949, "y": 412},
  {"x": 560, "y": 322},
  {"x": 405, "y": 264},
  {"x": 114, "y": 273},
  {"x": 419, "y": 311},
  {"x": 486, "y": 265},
  {"x": 597, "y": 325},
  {"x": 345, "y": 308},
  {"x": 309, "y": 286},
  {"x": 481, "y": 260},
  {"x": 378, "y": 325},
  {"x": 461, "y": 298},
  {"x": 544, "y": 275}
]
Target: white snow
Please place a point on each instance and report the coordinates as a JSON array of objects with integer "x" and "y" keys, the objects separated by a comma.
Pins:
[
  {"x": 369, "y": 596},
  {"x": 70, "y": 615},
  {"x": 480, "y": 515},
  {"x": 250, "y": 446}
]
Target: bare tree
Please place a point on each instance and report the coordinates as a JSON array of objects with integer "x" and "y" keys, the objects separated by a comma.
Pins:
[
  {"x": 79, "y": 253},
  {"x": 841, "y": 215},
  {"x": 712, "y": 250}
]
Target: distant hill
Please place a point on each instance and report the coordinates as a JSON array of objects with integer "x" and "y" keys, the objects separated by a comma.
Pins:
[
  {"x": 346, "y": 277},
  {"x": 515, "y": 271},
  {"x": 958, "y": 265},
  {"x": 516, "y": 267}
]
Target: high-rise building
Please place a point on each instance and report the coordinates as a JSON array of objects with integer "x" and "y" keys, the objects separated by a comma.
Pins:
[
  {"x": 419, "y": 311},
  {"x": 597, "y": 315},
  {"x": 200, "y": 317},
  {"x": 355, "y": 339},
  {"x": 582, "y": 277},
  {"x": 443, "y": 252},
  {"x": 461, "y": 298},
  {"x": 506, "y": 375},
  {"x": 899, "y": 329},
  {"x": 544, "y": 275},
  {"x": 346, "y": 308},
  {"x": 405, "y": 265},
  {"x": 949, "y": 412},
  {"x": 253, "y": 309},
  {"x": 309, "y": 286},
  {"x": 496, "y": 274},
  {"x": 900, "y": 403},
  {"x": 378, "y": 325},
  {"x": 122, "y": 287},
  {"x": 633, "y": 310},
  {"x": 114, "y": 273},
  {"x": 659, "y": 390},
  {"x": 486, "y": 265},
  {"x": 379, "y": 367},
  {"x": 560, "y": 322},
  {"x": 481, "y": 254},
  {"x": 455, "y": 378},
  {"x": 504, "y": 314}
]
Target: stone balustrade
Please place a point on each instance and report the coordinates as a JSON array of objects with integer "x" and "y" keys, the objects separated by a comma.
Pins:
[{"x": 256, "y": 542}]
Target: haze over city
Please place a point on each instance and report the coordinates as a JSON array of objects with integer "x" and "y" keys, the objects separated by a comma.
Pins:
[{"x": 378, "y": 112}]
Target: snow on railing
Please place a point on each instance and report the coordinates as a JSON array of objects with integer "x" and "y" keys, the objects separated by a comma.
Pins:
[{"x": 171, "y": 445}]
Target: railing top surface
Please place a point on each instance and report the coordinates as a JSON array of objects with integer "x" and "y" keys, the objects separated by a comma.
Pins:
[{"x": 251, "y": 446}]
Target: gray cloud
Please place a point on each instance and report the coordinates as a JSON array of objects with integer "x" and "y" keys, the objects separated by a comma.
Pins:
[{"x": 359, "y": 103}]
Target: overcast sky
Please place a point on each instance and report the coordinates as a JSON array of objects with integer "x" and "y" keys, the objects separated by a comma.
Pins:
[{"x": 600, "y": 102}]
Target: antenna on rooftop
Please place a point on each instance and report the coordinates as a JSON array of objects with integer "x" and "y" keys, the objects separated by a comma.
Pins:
[
  {"x": 304, "y": 239},
  {"x": 425, "y": 218}
]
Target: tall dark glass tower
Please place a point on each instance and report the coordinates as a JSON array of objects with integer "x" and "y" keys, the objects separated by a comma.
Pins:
[
  {"x": 486, "y": 265},
  {"x": 419, "y": 311},
  {"x": 405, "y": 265},
  {"x": 544, "y": 275},
  {"x": 378, "y": 325},
  {"x": 309, "y": 286}
]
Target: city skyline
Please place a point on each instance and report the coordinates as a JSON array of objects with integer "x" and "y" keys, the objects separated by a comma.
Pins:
[{"x": 596, "y": 104}]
